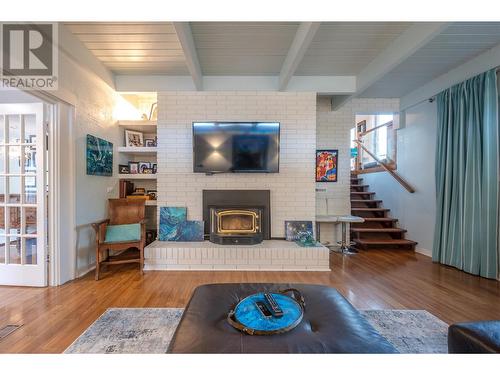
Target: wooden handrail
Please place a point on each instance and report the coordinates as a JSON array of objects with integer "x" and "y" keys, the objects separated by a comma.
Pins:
[
  {"x": 375, "y": 128},
  {"x": 396, "y": 176}
]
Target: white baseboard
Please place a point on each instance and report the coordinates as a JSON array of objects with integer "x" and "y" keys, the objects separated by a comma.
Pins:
[
  {"x": 425, "y": 252},
  {"x": 84, "y": 271}
]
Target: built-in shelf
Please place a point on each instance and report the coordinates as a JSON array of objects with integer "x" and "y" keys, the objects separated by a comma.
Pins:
[
  {"x": 145, "y": 126},
  {"x": 137, "y": 176},
  {"x": 138, "y": 150}
]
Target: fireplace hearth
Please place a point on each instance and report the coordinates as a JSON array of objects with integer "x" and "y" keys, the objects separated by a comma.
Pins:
[{"x": 236, "y": 217}]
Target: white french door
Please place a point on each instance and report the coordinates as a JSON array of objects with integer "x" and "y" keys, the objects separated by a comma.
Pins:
[{"x": 23, "y": 250}]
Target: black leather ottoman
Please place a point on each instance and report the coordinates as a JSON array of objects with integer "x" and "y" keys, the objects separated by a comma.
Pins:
[
  {"x": 474, "y": 337},
  {"x": 330, "y": 324}
]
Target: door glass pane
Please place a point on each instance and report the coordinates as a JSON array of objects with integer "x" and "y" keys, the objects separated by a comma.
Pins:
[
  {"x": 2, "y": 189},
  {"x": 2, "y": 249},
  {"x": 2, "y": 138},
  {"x": 14, "y": 250},
  {"x": 29, "y": 159},
  {"x": 14, "y": 189},
  {"x": 2, "y": 220},
  {"x": 14, "y": 129},
  {"x": 14, "y": 220},
  {"x": 2, "y": 158},
  {"x": 14, "y": 159},
  {"x": 29, "y": 129},
  {"x": 30, "y": 250},
  {"x": 30, "y": 189},
  {"x": 30, "y": 220}
]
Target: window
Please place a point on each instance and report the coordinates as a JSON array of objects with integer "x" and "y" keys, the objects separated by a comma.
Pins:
[{"x": 377, "y": 134}]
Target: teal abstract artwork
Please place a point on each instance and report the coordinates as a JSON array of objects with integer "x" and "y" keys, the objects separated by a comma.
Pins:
[
  {"x": 171, "y": 219},
  {"x": 99, "y": 156}
]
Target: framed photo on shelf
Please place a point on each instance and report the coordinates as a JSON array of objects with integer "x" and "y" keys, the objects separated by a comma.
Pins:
[
  {"x": 147, "y": 171},
  {"x": 140, "y": 190},
  {"x": 133, "y": 167},
  {"x": 150, "y": 142},
  {"x": 123, "y": 169},
  {"x": 154, "y": 166},
  {"x": 134, "y": 139},
  {"x": 143, "y": 165},
  {"x": 152, "y": 194},
  {"x": 326, "y": 165}
]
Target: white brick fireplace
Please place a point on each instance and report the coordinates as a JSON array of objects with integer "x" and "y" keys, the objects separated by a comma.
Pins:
[{"x": 292, "y": 190}]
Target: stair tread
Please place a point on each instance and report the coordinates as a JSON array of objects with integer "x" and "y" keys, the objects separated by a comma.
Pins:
[
  {"x": 359, "y": 185},
  {"x": 365, "y": 241},
  {"x": 366, "y": 200},
  {"x": 369, "y": 209},
  {"x": 380, "y": 219},
  {"x": 362, "y": 192},
  {"x": 378, "y": 230}
]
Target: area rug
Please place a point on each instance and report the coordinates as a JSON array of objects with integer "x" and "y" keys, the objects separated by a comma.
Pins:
[
  {"x": 149, "y": 331},
  {"x": 410, "y": 331},
  {"x": 129, "y": 330}
]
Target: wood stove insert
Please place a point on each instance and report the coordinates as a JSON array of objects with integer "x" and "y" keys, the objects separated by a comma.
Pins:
[{"x": 236, "y": 217}]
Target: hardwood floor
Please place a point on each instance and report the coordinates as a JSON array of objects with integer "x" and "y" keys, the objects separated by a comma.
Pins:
[{"x": 53, "y": 318}]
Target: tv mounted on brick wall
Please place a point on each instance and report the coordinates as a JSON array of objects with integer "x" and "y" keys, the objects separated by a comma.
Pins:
[{"x": 236, "y": 147}]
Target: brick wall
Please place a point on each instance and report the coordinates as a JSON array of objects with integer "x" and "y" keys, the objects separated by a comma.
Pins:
[
  {"x": 333, "y": 131},
  {"x": 292, "y": 189}
]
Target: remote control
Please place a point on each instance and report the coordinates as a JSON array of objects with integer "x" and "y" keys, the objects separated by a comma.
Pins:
[
  {"x": 263, "y": 309},
  {"x": 275, "y": 308}
]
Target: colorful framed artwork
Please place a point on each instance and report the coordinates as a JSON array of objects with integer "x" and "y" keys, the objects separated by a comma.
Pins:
[
  {"x": 99, "y": 156},
  {"x": 326, "y": 165},
  {"x": 294, "y": 229}
]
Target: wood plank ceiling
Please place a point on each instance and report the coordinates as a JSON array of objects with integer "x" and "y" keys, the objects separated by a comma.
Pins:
[
  {"x": 134, "y": 48},
  {"x": 457, "y": 44},
  {"x": 260, "y": 48},
  {"x": 345, "y": 48}
]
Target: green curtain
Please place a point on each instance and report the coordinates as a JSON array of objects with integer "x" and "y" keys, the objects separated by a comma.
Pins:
[{"x": 467, "y": 168}]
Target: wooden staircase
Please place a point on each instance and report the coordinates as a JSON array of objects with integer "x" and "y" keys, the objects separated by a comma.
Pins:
[{"x": 378, "y": 230}]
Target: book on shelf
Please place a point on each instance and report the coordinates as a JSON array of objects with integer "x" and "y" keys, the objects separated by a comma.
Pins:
[{"x": 126, "y": 188}]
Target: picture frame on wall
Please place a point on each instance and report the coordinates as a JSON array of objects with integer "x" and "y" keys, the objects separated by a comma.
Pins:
[
  {"x": 134, "y": 139},
  {"x": 326, "y": 165},
  {"x": 99, "y": 156}
]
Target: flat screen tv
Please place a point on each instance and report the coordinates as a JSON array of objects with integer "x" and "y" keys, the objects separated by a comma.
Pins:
[{"x": 236, "y": 147}]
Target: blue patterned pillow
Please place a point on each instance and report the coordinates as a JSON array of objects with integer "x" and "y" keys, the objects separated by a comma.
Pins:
[{"x": 123, "y": 233}]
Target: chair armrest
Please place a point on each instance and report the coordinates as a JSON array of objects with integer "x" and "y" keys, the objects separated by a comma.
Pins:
[{"x": 100, "y": 229}]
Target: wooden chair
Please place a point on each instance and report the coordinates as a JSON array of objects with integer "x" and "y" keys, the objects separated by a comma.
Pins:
[{"x": 121, "y": 211}]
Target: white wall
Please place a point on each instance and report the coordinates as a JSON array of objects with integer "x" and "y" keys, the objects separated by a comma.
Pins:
[
  {"x": 333, "y": 131},
  {"x": 416, "y": 150},
  {"x": 94, "y": 101},
  {"x": 292, "y": 189}
]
